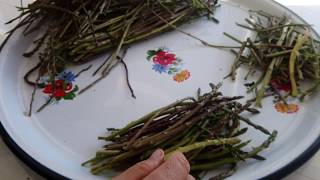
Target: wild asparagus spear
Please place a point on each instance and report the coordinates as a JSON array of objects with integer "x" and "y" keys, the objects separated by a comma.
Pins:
[
  {"x": 74, "y": 32},
  {"x": 205, "y": 129},
  {"x": 285, "y": 52}
]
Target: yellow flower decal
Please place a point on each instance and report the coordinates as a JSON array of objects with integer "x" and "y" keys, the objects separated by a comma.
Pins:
[
  {"x": 182, "y": 76},
  {"x": 289, "y": 109}
]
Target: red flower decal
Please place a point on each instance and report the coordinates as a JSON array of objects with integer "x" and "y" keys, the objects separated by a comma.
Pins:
[
  {"x": 280, "y": 85},
  {"x": 69, "y": 87},
  {"x": 48, "y": 89},
  {"x": 59, "y": 83},
  {"x": 60, "y": 87},
  {"x": 58, "y": 90},
  {"x": 59, "y": 93},
  {"x": 164, "y": 58}
]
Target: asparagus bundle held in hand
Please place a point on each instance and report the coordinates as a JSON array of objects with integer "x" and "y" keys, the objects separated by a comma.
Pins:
[
  {"x": 78, "y": 30},
  {"x": 284, "y": 51},
  {"x": 205, "y": 129}
]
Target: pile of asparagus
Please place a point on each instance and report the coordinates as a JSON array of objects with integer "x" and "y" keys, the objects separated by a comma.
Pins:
[
  {"x": 205, "y": 129},
  {"x": 75, "y": 31},
  {"x": 285, "y": 52}
]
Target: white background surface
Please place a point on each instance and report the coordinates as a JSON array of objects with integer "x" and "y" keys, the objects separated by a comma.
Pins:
[{"x": 12, "y": 169}]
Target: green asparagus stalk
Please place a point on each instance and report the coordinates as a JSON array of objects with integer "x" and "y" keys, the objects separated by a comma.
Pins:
[
  {"x": 205, "y": 129},
  {"x": 285, "y": 52}
]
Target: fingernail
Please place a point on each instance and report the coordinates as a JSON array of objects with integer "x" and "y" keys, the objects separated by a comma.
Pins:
[{"x": 157, "y": 155}]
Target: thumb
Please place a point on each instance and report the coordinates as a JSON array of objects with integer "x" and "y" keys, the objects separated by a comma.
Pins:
[
  {"x": 176, "y": 167},
  {"x": 143, "y": 168}
]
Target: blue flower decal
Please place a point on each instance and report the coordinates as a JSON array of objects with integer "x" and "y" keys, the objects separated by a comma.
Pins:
[
  {"x": 67, "y": 76},
  {"x": 160, "y": 68}
]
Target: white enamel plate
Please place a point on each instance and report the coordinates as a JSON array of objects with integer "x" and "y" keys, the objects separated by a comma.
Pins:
[{"x": 58, "y": 139}]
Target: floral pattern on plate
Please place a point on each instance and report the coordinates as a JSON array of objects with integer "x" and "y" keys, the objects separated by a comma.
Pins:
[
  {"x": 166, "y": 62},
  {"x": 61, "y": 87},
  {"x": 287, "y": 108}
]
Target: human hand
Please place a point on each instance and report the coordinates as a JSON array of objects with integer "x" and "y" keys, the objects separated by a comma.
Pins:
[{"x": 155, "y": 168}]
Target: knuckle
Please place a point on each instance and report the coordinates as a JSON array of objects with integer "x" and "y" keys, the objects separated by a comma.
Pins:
[
  {"x": 181, "y": 161},
  {"x": 190, "y": 177},
  {"x": 144, "y": 166}
]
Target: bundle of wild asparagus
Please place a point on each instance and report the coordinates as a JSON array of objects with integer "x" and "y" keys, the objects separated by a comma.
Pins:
[
  {"x": 77, "y": 30},
  {"x": 205, "y": 129},
  {"x": 284, "y": 51}
]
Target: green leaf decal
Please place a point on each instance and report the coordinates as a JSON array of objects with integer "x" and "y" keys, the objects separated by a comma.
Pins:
[
  {"x": 69, "y": 96},
  {"x": 150, "y": 54},
  {"x": 41, "y": 85},
  {"x": 75, "y": 89}
]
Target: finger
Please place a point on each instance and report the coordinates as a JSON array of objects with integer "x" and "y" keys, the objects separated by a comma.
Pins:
[
  {"x": 190, "y": 177},
  {"x": 175, "y": 168},
  {"x": 143, "y": 168}
]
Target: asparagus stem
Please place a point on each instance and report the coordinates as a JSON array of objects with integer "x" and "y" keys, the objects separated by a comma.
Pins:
[
  {"x": 295, "y": 53},
  {"x": 204, "y": 144},
  {"x": 205, "y": 129},
  {"x": 265, "y": 83},
  {"x": 211, "y": 155},
  {"x": 212, "y": 165},
  {"x": 284, "y": 51}
]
